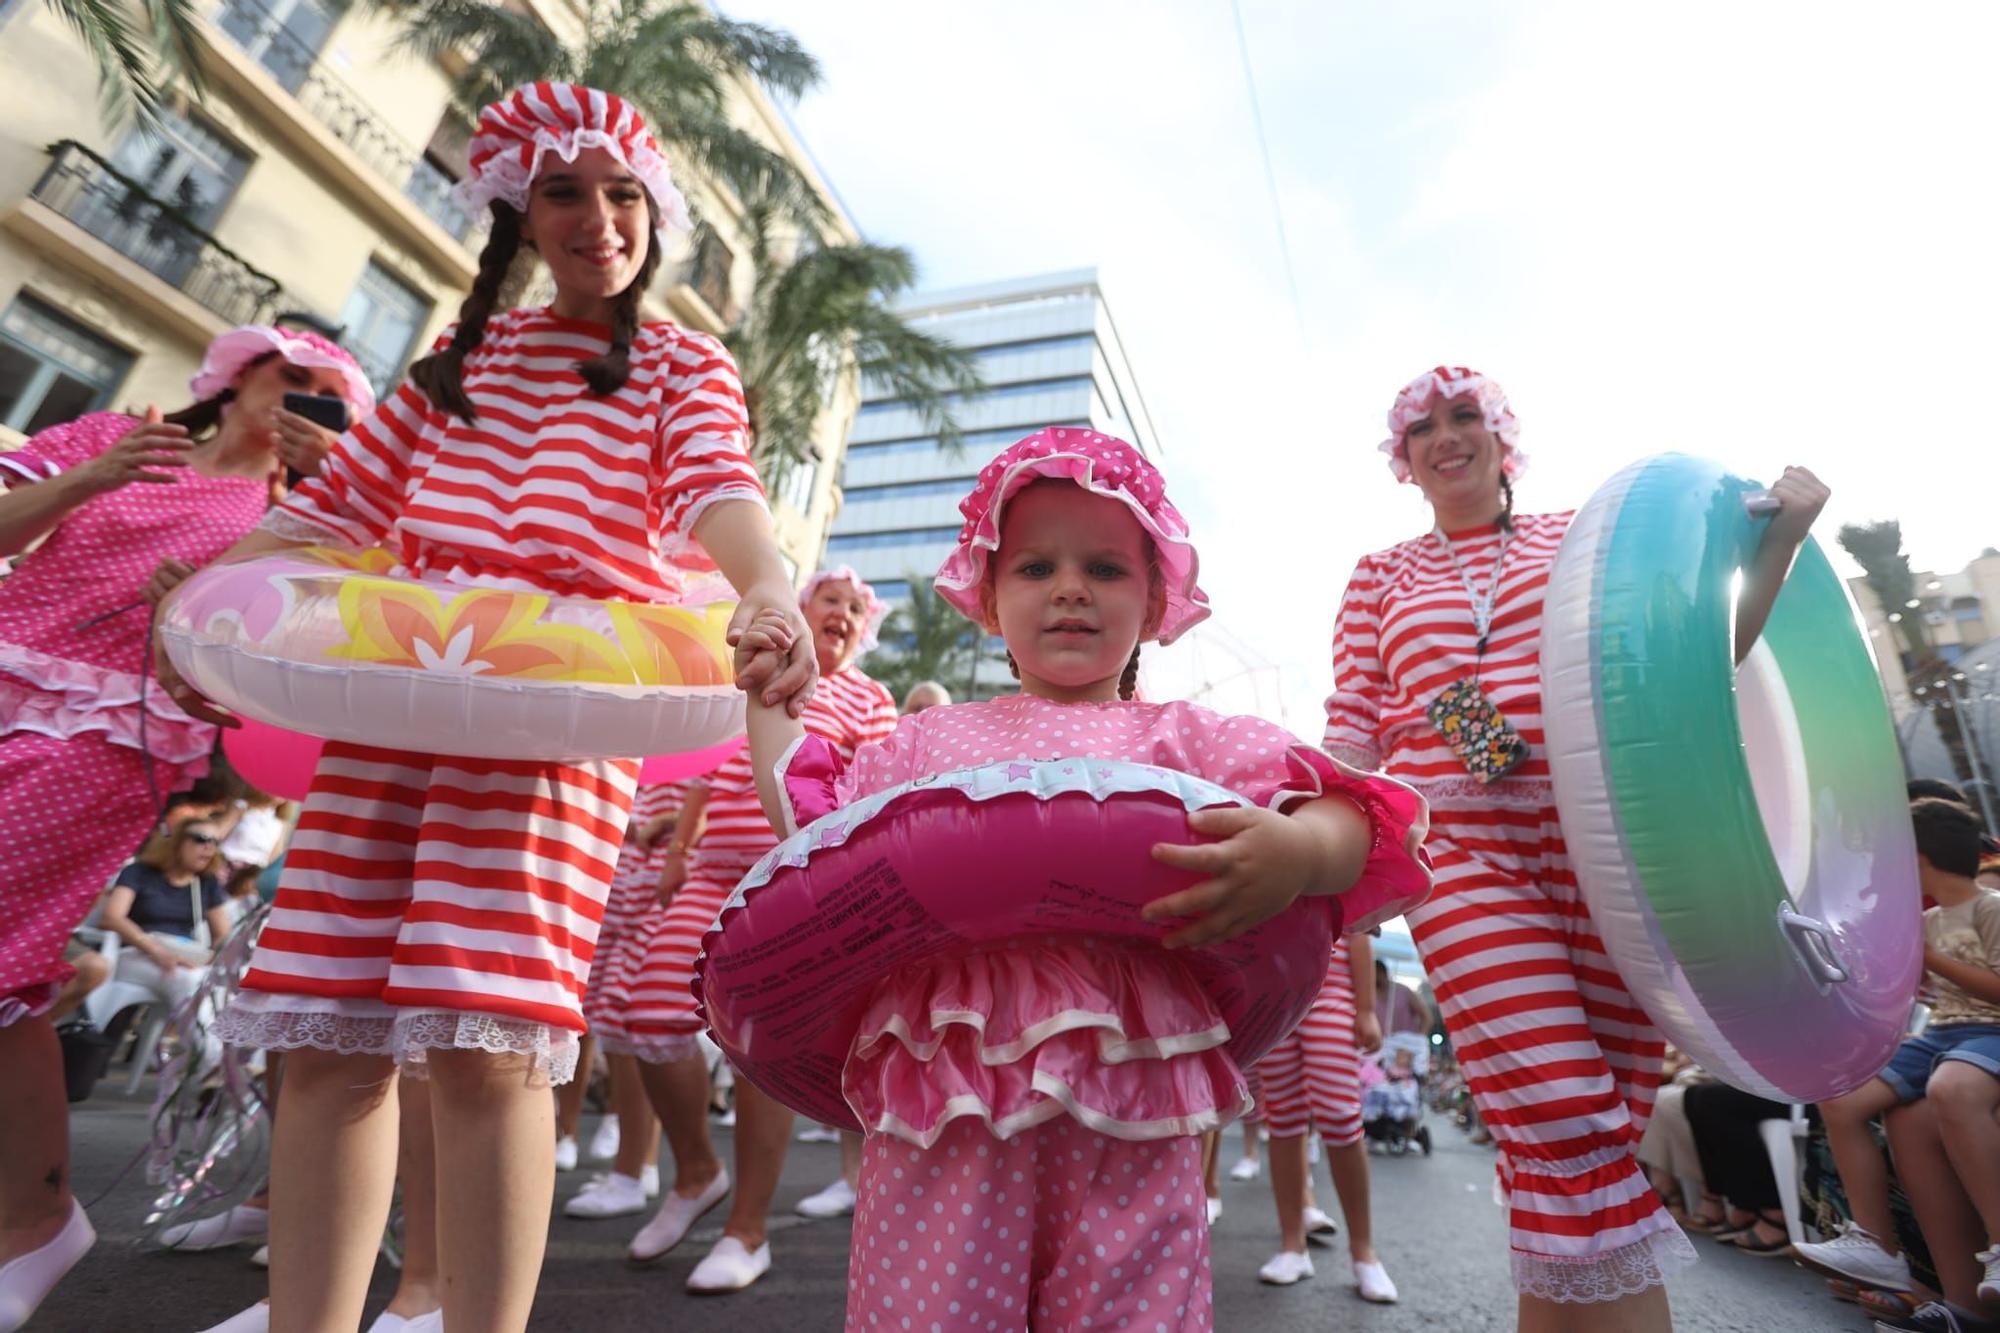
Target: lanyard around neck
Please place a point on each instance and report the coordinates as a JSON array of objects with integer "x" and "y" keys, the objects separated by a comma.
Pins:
[{"x": 1482, "y": 603}]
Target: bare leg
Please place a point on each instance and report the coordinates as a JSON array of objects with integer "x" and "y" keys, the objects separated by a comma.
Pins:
[
  {"x": 678, "y": 1091},
  {"x": 333, "y": 1167},
  {"x": 1646, "y": 1312},
  {"x": 497, "y": 1177},
  {"x": 1862, "y": 1171},
  {"x": 638, "y": 1128},
  {"x": 1287, "y": 1159},
  {"x": 91, "y": 972},
  {"x": 34, "y": 1124},
  {"x": 1211, "y": 1142},
  {"x": 1966, "y": 1098},
  {"x": 418, "y": 1290},
  {"x": 1937, "y": 1196},
  {"x": 1251, "y": 1134},
  {"x": 1348, "y": 1164},
  {"x": 569, "y": 1097},
  {"x": 763, "y": 1132}
]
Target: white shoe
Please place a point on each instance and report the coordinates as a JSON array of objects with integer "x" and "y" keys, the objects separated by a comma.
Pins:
[
  {"x": 1312, "y": 1148},
  {"x": 1286, "y": 1268},
  {"x": 730, "y": 1266},
  {"x": 256, "y": 1319},
  {"x": 604, "y": 1143},
  {"x": 649, "y": 1180},
  {"x": 727, "y": 1120},
  {"x": 672, "y": 1222},
  {"x": 1989, "y": 1286},
  {"x": 1214, "y": 1211},
  {"x": 239, "y": 1224},
  {"x": 1320, "y": 1229},
  {"x": 1854, "y": 1254},
  {"x": 608, "y": 1196},
  {"x": 431, "y": 1322},
  {"x": 1247, "y": 1169},
  {"x": 1374, "y": 1282},
  {"x": 261, "y": 1256},
  {"x": 816, "y": 1133},
  {"x": 836, "y": 1200},
  {"x": 25, "y": 1281},
  {"x": 566, "y": 1153}
]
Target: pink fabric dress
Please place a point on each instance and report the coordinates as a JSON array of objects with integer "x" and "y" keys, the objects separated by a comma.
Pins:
[
  {"x": 75, "y": 800},
  {"x": 1035, "y": 1083}
]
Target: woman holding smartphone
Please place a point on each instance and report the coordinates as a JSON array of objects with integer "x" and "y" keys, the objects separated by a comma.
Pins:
[{"x": 89, "y": 746}]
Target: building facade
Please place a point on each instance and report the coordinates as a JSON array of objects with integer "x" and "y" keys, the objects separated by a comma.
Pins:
[
  {"x": 1959, "y": 612},
  {"x": 312, "y": 180}
]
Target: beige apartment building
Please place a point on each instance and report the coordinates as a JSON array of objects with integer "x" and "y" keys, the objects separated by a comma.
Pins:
[
  {"x": 1960, "y": 612},
  {"x": 314, "y": 179}
]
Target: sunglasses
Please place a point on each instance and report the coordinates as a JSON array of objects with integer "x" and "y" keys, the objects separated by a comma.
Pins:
[{"x": 205, "y": 839}]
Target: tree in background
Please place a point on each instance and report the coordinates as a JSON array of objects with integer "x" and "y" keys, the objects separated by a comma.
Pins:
[
  {"x": 923, "y": 639},
  {"x": 141, "y": 51}
]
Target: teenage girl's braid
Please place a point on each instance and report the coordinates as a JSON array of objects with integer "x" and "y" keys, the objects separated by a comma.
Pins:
[
  {"x": 1506, "y": 503},
  {"x": 606, "y": 374},
  {"x": 441, "y": 375},
  {"x": 1128, "y": 684}
]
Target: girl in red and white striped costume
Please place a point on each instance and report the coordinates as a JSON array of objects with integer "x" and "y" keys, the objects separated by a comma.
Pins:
[
  {"x": 1561, "y": 1061},
  {"x": 441, "y": 913},
  {"x": 848, "y": 710},
  {"x": 1311, "y": 1081}
]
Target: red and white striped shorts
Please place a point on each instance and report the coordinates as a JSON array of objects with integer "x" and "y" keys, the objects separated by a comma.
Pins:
[
  {"x": 655, "y": 992},
  {"x": 431, "y": 902},
  {"x": 1311, "y": 1080}
]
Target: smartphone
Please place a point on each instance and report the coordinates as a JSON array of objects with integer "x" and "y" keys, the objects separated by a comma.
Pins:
[{"x": 322, "y": 409}]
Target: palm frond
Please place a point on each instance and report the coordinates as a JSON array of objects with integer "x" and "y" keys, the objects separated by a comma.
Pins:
[{"x": 135, "y": 59}]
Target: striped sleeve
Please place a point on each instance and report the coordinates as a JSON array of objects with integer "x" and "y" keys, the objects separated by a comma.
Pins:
[
  {"x": 1354, "y": 709},
  {"x": 363, "y": 486},
  {"x": 704, "y": 435}
]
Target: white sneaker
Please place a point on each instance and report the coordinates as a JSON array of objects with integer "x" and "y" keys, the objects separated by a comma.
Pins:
[
  {"x": 239, "y": 1224},
  {"x": 261, "y": 1256},
  {"x": 1320, "y": 1229},
  {"x": 566, "y": 1153},
  {"x": 1247, "y": 1169},
  {"x": 727, "y": 1120},
  {"x": 1989, "y": 1286},
  {"x": 671, "y": 1223},
  {"x": 649, "y": 1178},
  {"x": 1214, "y": 1211},
  {"x": 28, "y": 1278},
  {"x": 817, "y": 1133},
  {"x": 604, "y": 1143},
  {"x": 1374, "y": 1282},
  {"x": 1856, "y": 1255},
  {"x": 614, "y": 1195},
  {"x": 1286, "y": 1268},
  {"x": 256, "y": 1319},
  {"x": 836, "y": 1200},
  {"x": 730, "y": 1266},
  {"x": 431, "y": 1322}
]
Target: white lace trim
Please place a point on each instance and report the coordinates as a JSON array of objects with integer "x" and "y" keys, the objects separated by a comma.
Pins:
[
  {"x": 287, "y": 526},
  {"x": 654, "y": 1048},
  {"x": 503, "y": 176},
  {"x": 1469, "y": 793},
  {"x": 1612, "y": 1276},
  {"x": 408, "y": 1035}
]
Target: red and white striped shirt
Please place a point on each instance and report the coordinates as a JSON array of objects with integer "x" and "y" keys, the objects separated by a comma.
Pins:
[
  {"x": 848, "y": 710},
  {"x": 1406, "y": 632},
  {"x": 552, "y": 484}
]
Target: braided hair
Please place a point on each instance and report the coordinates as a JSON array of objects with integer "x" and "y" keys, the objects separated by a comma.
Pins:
[
  {"x": 606, "y": 374},
  {"x": 1506, "y": 503}
]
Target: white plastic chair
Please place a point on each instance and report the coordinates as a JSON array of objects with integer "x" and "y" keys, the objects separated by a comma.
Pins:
[
  {"x": 107, "y": 1001},
  {"x": 1781, "y": 1140}
]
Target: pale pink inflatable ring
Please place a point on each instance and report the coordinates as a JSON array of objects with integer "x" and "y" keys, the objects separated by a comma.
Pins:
[{"x": 961, "y": 860}]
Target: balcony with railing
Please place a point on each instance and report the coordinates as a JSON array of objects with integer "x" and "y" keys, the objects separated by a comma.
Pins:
[{"x": 118, "y": 211}]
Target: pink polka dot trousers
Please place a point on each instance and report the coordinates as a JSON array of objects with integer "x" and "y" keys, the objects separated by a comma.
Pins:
[{"x": 1059, "y": 1227}]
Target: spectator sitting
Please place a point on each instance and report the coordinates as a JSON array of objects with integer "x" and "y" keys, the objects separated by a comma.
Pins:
[
  {"x": 157, "y": 904},
  {"x": 259, "y": 831},
  {"x": 1962, "y": 958}
]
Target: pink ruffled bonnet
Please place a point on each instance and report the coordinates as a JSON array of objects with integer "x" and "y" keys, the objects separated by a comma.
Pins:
[
  {"x": 1102, "y": 465},
  {"x": 1427, "y": 390},
  {"x": 876, "y": 607},
  {"x": 518, "y": 131},
  {"x": 224, "y": 361}
]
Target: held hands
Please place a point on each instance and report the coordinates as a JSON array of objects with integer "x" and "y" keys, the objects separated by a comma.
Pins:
[
  {"x": 1264, "y": 861},
  {"x": 1367, "y": 1032},
  {"x": 150, "y": 452},
  {"x": 778, "y": 673},
  {"x": 1800, "y": 496}
]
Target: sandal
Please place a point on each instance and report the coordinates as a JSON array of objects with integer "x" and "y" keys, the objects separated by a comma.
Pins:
[
  {"x": 1879, "y": 1304},
  {"x": 1747, "y": 1240}
]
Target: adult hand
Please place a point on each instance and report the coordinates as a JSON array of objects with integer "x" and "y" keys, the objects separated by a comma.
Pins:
[
  {"x": 182, "y": 693},
  {"x": 673, "y": 874},
  {"x": 793, "y": 684},
  {"x": 1264, "y": 861},
  {"x": 167, "y": 575},
  {"x": 301, "y": 443},
  {"x": 1800, "y": 496},
  {"x": 152, "y": 452},
  {"x": 1367, "y": 1032}
]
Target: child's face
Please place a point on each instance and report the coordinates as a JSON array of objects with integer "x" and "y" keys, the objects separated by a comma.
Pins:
[
  {"x": 589, "y": 222},
  {"x": 1072, "y": 592}
]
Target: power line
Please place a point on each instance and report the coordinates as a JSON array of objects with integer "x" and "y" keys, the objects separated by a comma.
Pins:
[{"x": 1270, "y": 176}]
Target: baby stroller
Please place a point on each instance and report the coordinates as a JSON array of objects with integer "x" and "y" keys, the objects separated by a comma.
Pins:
[{"x": 1392, "y": 1108}]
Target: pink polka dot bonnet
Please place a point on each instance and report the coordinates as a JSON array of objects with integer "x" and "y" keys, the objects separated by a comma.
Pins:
[
  {"x": 1427, "y": 390},
  {"x": 1102, "y": 465},
  {"x": 876, "y": 607},
  {"x": 227, "y": 357},
  {"x": 536, "y": 119}
]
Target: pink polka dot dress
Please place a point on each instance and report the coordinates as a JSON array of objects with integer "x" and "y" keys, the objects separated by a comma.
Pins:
[
  {"x": 1034, "y": 1111},
  {"x": 75, "y": 800}
]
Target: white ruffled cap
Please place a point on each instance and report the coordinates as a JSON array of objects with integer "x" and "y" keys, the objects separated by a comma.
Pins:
[
  {"x": 1438, "y": 385},
  {"x": 227, "y": 356},
  {"x": 536, "y": 119}
]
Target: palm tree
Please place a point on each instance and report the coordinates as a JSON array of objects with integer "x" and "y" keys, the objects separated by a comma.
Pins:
[
  {"x": 814, "y": 312},
  {"x": 923, "y": 639},
  {"x": 1878, "y": 549},
  {"x": 140, "y": 51},
  {"x": 673, "y": 59}
]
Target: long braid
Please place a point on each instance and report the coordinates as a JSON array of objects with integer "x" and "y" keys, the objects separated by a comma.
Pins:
[
  {"x": 1506, "y": 503},
  {"x": 606, "y": 374},
  {"x": 441, "y": 375},
  {"x": 1128, "y": 683}
]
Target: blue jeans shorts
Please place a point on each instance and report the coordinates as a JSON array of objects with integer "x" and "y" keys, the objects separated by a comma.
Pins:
[{"x": 1978, "y": 1044}]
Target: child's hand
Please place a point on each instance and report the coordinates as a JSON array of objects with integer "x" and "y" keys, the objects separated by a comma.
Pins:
[
  {"x": 1265, "y": 860},
  {"x": 1367, "y": 1033},
  {"x": 792, "y": 685},
  {"x": 1800, "y": 496},
  {"x": 762, "y": 651}
]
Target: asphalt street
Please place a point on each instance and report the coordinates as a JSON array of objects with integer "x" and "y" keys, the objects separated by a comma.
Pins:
[{"x": 1438, "y": 1230}]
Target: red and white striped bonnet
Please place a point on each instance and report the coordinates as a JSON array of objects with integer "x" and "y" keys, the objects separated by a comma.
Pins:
[{"x": 517, "y": 131}]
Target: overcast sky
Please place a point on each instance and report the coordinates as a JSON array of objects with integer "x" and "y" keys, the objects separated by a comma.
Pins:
[{"x": 1762, "y": 232}]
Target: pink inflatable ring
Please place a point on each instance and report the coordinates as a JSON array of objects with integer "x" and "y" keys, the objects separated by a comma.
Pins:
[{"x": 963, "y": 860}]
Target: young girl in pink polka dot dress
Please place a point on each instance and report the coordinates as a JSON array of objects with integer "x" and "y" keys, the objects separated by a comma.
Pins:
[{"x": 1034, "y": 1112}]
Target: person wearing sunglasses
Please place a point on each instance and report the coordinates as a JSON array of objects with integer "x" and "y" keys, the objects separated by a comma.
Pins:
[{"x": 158, "y": 905}]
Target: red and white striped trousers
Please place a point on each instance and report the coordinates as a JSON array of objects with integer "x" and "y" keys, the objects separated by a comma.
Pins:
[
  {"x": 1561, "y": 1061},
  {"x": 1311, "y": 1080},
  {"x": 431, "y": 902},
  {"x": 653, "y": 994}
]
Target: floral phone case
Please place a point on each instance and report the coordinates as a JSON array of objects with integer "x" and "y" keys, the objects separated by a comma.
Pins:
[{"x": 1484, "y": 741}]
